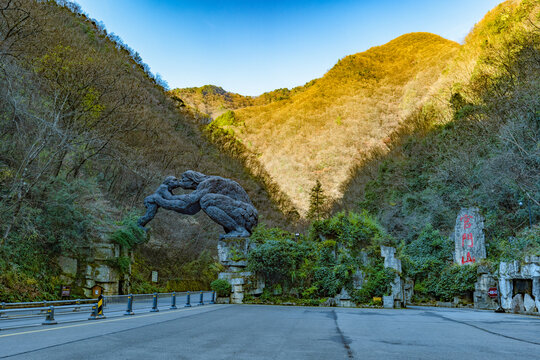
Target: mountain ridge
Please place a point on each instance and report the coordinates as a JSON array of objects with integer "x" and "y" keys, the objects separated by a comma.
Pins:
[{"x": 364, "y": 95}]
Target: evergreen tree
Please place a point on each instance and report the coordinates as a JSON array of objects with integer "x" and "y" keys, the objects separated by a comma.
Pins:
[{"x": 317, "y": 202}]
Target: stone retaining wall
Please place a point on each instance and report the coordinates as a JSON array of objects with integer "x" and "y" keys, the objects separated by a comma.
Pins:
[{"x": 95, "y": 265}]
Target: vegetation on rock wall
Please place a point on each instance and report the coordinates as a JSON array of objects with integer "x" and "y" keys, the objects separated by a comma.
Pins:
[{"x": 312, "y": 268}]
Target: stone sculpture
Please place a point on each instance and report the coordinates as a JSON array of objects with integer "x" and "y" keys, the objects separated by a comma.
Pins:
[{"x": 223, "y": 200}]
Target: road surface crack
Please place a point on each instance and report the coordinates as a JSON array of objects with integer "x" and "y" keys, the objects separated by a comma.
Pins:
[{"x": 344, "y": 340}]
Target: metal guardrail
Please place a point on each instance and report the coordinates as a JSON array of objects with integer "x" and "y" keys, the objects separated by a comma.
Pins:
[
  {"x": 44, "y": 303},
  {"x": 25, "y": 310}
]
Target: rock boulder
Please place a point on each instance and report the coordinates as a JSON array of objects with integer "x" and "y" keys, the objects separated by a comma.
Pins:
[
  {"x": 528, "y": 303},
  {"x": 517, "y": 304}
]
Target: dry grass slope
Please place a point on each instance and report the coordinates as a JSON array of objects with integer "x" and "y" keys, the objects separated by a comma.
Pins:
[{"x": 324, "y": 130}]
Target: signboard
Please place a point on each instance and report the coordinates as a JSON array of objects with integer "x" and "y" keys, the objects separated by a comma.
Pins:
[
  {"x": 469, "y": 237},
  {"x": 154, "y": 276},
  {"x": 493, "y": 293},
  {"x": 66, "y": 291},
  {"x": 96, "y": 291}
]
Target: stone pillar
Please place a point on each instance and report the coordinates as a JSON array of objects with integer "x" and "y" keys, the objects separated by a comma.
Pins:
[
  {"x": 469, "y": 237},
  {"x": 506, "y": 272},
  {"x": 233, "y": 253},
  {"x": 391, "y": 261},
  {"x": 481, "y": 297},
  {"x": 536, "y": 291}
]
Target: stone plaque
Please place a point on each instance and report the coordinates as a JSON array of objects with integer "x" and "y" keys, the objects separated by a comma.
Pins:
[{"x": 469, "y": 237}]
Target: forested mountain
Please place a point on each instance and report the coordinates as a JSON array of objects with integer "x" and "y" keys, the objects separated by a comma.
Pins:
[
  {"x": 214, "y": 100},
  {"x": 411, "y": 130},
  {"x": 474, "y": 142},
  {"x": 322, "y": 131},
  {"x": 86, "y": 132}
]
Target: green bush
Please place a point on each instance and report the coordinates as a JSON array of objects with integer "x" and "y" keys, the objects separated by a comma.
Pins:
[
  {"x": 428, "y": 260},
  {"x": 526, "y": 242},
  {"x": 454, "y": 280},
  {"x": 324, "y": 262},
  {"x": 129, "y": 233},
  {"x": 221, "y": 287},
  {"x": 356, "y": 231},
  {"x": 427, "y": 255},
  {"x": 378, "y": 284},
  {"x": 277, "y": 260}
]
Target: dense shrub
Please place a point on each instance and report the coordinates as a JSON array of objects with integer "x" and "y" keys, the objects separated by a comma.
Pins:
[
  {"x": 526, "y": 242},
  {"x": 428, "y": 260},
  {"x": 129, "y": 233},
  {"x": 377, "y": 284},
  {"x": 355, "y": 231},
  {"x": 221, "y": 287},
  {"x": 277, "y": 260},
  {"x": 319, "y": 265}
]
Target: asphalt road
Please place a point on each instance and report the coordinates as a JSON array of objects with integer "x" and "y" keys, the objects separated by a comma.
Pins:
[{"x": 275, "y": 332}]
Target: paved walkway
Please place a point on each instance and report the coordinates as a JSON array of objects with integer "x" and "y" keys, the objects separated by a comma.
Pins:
[{"x": 278, "y": 332}]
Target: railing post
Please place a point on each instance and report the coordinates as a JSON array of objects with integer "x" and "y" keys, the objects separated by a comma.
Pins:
[
  {"x": 173, "y": 301},
  {"x": 2, "y": 306},
  {"x": 201, "y": 302},
  {"x": 188, "y": 303},
  {"x": 49, "y": 319},
  {"x": 97, "y": 310},
  {"x": 212, "y": 300},
  {"x": 129, "y": 309},
  {"x": 78, "y": 307},
  {"x": 154, "y": 304}
]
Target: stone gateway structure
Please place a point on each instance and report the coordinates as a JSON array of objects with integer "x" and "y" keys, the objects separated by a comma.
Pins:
[
  {"x": 469, "y": 237},
  {"x": 519, "y": 285},
  {"x": 223, "y": 200},
  {"x": 233, "y": 255}
]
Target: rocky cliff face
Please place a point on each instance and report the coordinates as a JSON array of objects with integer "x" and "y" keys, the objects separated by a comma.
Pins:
[{"x": 102, "y": 264}]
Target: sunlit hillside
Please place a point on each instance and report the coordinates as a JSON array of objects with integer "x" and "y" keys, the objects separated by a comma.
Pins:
[
  {"x": 473, "y": 143},
  {"x": 321, "y": 132},
  {"x": 214, "y": 100}
]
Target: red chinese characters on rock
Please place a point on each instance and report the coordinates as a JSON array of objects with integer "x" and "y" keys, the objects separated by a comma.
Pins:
[
  {"x": 466, "y": 237},
  {"x": 468, "y": 259},
  {"x": 466, "y": 221}
]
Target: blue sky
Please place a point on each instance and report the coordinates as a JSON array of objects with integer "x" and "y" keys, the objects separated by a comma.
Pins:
[{"x": 252, "y": 46}]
